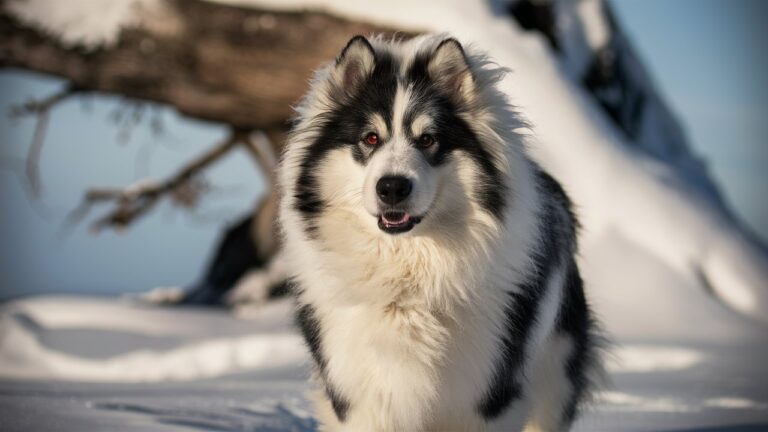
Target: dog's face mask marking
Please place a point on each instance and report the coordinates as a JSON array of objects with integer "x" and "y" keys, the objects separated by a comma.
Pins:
[
  {"x": 386, "y": 145},
  {"x": 400, "y": 183}
]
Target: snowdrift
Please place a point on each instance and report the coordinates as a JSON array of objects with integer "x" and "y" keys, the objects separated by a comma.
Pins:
[{"x": 107, "y": 364}]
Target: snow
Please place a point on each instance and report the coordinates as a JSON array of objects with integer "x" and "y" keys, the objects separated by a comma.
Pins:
[
  {"x": 88, "y": 23},
  {"x": 189, "y": 345},
  {"x": 596, "y": 28},
  {"x": 583, "y": 31},
  {"x": 622, "y": 401},
  {"x": 652, "y": 358},
  {"x": 683, "y": 363},
  {"x": 679, "y": 285},
  {"x": 110, "y": 364}
]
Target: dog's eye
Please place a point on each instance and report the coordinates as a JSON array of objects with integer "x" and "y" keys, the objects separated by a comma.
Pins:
[
  {"x": 425, "y": 140},
  {"x": 371, "y": 139}
]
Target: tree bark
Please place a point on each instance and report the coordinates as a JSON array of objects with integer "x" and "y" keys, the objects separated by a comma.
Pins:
[{"x": 238, "y": 66}]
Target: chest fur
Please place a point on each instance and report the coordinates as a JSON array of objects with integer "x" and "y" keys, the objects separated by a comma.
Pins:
[{"x": 406, "y": 361}]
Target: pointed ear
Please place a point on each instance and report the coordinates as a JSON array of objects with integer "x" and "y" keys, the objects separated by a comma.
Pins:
[
  {"x": 354, "y": 65},
  {"x": 449, "y": 68}
]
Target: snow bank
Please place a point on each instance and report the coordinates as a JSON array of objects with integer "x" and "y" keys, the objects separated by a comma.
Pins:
[
  {"x": 91, "y": 340},
  {"x": 625, "y": 402},
  {"x": 72, "y": 359},
  {"x": 653, "y": 358}
]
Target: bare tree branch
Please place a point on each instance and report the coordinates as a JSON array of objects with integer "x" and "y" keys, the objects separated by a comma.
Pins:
[
  {"x": 42, "y": 109},
  {"x": 262, "y": 148},
  {"x": 134, "y": 201}
]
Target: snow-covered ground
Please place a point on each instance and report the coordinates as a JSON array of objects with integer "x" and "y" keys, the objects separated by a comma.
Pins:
[
  {"x": 679, "y": 360},
  {"x": 80, "y": 363}
]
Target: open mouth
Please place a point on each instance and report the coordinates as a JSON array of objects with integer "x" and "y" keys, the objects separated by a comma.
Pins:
[{"x": 397, "y": 221}]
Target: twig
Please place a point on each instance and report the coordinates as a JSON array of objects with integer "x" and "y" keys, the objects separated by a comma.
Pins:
[
  {"x": 134, "y": 201},
  {"x": 261, "y": 151},
  {"x": 42, "y": 109},
  {"x": 15, "y": 166}
]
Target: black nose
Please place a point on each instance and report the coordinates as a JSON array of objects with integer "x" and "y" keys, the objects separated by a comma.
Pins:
[{"x": 393, "y": 189}]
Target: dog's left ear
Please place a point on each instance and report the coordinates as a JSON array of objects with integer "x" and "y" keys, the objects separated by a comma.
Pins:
[{"x": 449, "y": 68}]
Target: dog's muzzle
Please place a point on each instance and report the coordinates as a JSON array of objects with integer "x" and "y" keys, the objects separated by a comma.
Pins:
[{"x": 393, "y": 191}]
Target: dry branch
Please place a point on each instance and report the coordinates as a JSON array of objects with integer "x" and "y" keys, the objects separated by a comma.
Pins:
[
  {"x": 264, "y": 150},
  {"x": 136, "y": 200},
  {"x": 41, "y": 109}
]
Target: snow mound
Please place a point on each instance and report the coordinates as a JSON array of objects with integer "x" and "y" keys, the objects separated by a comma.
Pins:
[
  {"x": 101, "y": 364},
  {"x": 92, "y": 340}
]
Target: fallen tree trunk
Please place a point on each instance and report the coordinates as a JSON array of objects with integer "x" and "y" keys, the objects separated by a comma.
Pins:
[{"x": 242, "y": 67}]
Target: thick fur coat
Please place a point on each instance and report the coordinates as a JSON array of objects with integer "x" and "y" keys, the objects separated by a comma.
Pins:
[{"x": 432, "y": 259}]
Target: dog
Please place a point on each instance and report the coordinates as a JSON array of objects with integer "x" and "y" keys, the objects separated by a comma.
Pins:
[{"x": 431, "y": 259}]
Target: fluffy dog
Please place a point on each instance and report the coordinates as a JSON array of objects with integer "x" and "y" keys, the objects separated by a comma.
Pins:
[{"x": 432, "y": 259}]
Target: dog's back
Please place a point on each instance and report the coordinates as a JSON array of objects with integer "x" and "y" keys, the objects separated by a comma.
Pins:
[{"x": 433, "y": 260}]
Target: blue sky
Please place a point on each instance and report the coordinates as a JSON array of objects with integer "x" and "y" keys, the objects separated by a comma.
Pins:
[{"x": 708, "y": 57}]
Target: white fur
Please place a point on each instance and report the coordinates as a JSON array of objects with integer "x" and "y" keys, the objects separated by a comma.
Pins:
[{"x": 411, "y": 323}]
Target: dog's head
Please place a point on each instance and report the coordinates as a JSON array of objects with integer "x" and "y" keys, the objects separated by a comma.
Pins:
[{"x": 399, "y": 136}]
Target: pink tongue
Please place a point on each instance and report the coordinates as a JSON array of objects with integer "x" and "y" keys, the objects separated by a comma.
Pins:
[{"x": 403, "y": 219}]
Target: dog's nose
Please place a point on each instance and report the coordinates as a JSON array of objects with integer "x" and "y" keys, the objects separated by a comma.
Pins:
[{"x": 393, "y": 189}]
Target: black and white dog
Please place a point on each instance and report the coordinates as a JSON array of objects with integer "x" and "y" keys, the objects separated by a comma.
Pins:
[{"x": 433, "y": 261}]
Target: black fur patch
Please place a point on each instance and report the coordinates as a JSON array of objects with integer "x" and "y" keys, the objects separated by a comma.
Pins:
[
  {"x": 522, "y": 307},
  {"x": 535, "y": 15},
  {"x": 339, "y": 404},
  {"x": 574, "y": 319},
  {"x": 310, "y": 329},
  {"x": 505, "y": 387},
  {"x": 236, "y": 254},
  {"x": 345, "y": 124},
  {"x": 454, "y": 134},
  {"x": 569, "y": 225}
]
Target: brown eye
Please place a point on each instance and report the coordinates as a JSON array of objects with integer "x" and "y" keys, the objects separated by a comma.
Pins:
[
  {"x": 426, "y": 140},
  {"x": 371, "y": 139}
]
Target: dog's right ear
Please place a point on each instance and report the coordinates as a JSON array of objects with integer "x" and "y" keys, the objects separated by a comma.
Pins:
[
  {"x": 449, "y": 68},
  {"x": 354, "y": 65}
]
